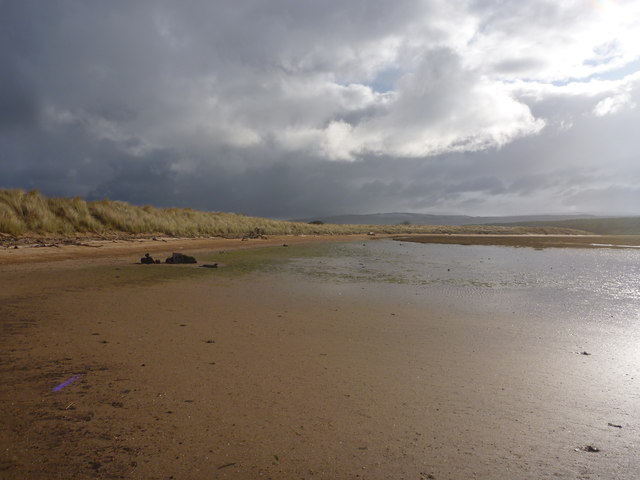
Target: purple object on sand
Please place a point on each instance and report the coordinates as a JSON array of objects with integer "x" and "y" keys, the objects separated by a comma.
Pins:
[{"x": 66, "y": 383}]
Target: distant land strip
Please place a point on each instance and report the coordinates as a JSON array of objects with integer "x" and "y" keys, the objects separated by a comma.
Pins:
[
  {"x": 532, "y": 241},
  {"x": 600, "y": 226}
]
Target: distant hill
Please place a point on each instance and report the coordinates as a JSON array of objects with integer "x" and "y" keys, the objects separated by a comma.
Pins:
[
  {"x": 601, "y": 226},
  {"x": 427, "y": 219},
  {"x": 588, "y": 223}
]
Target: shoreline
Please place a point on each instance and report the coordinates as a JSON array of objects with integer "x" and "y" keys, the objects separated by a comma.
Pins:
[
  {"x": 530, "y": 241},
  {"x": 58, "y": 249}
]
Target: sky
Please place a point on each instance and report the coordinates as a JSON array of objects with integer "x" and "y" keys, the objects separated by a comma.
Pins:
[{"x": 303, "y": 108}]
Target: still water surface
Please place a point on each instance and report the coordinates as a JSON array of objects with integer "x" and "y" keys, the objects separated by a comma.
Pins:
[{"x": 596, "y": 284}]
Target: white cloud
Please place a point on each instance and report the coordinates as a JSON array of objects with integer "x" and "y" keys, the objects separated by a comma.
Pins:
[
  {"x": 613, "y": 104},
  {"x": 471, "y": 97},
  {"x": 338, "y": 141},
  {"x": 463, "y": 72},
  {"x": 555, "y": 41}
]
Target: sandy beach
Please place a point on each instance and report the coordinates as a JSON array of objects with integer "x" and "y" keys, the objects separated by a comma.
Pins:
[{"x": 188, "y": 373}]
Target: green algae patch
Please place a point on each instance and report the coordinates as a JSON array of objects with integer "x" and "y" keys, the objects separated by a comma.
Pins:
[
  {"x": 261, "y": 259},
  {"x": 231, "y": 264}
]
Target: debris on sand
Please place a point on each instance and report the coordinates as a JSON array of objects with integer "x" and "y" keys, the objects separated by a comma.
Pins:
[
  {"x": 588, "y": 448},
  {"x": 614, "y": 425},
  {"x": 180, "y": 258},
  {"x": 66, "y": 383}
]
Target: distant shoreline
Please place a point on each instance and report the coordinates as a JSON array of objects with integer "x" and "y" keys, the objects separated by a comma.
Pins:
[{"x": 530, "y": 241}]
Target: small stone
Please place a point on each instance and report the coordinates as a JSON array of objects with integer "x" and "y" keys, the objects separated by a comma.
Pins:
[{"x": 589, "y": 448}]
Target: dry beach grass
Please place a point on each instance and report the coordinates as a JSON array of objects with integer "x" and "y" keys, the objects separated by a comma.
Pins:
[{"x": 30, "y": 214}]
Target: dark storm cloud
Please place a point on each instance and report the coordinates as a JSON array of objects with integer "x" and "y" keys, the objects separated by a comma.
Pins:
[
  {"x": 295, "y": 109},
  {"x": 18, "y": 104}
]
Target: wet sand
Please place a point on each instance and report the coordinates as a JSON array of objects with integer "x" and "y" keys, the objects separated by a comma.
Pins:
[
  {"x": 267, "y": 376},
  {"x": 37, "y": 251}
]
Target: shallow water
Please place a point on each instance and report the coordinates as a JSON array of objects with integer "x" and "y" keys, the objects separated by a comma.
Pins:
[{"x": 595, "y": 284}]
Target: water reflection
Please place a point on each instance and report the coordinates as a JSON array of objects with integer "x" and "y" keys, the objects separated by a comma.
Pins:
[{"x": 594, "y": 282}]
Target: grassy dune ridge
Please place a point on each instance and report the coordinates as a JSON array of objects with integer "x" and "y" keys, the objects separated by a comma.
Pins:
[{"x": 31, "y": 213}]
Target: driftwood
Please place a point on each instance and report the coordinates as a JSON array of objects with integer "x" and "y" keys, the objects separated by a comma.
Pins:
[{"x": 75, "y": 243}]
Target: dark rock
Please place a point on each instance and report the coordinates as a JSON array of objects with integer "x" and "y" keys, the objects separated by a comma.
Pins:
[
  {"x": 147, "y": 259},
  {"x": 180, "y": 258}
]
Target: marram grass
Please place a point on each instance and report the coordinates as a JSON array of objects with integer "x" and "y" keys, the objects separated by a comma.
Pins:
[{"x": 27, "y": 213}]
